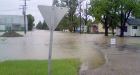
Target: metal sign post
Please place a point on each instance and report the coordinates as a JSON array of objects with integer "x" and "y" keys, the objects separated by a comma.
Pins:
[
  {"x": 50, "y": 52},
  {"x": 52, "y": 16}
]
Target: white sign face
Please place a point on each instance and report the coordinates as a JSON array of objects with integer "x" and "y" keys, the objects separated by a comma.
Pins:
[
  {"x": 52, "y": 15},
  {"x": 113, "y": 41}
]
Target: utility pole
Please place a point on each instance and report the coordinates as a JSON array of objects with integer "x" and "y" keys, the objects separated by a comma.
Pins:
[
  {"x": 86, "y": 21},
  {"x": 86, "y": 13},
  {"x": 24, "y": 14},
  {"x": 80, "y": 16}
]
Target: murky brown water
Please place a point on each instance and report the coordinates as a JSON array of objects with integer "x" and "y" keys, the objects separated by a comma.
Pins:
[{"x": 88, "y": 47}]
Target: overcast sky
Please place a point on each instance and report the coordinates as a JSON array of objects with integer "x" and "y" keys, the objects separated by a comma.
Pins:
[{"x": 12, "y": 7}]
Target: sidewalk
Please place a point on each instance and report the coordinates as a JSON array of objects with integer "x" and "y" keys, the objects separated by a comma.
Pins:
[{"x": 120, "y": 61}]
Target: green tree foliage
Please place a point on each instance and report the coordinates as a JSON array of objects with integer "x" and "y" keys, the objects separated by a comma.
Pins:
[
  {"x": 136, "y": 13},
  {"x": 100, "y": 9},
  {"x": 30, "y": 20},
  {"x": 39, "y": 25},
  {"x": 64, "y": 24},
  {"x": 72, "y": 4},
  {"x": 70, "y": 20},
  {"x": 113, "y": 12},
  {"x": 44, "y": 26},
  {"x": 89, "y": 24},
  {"x": 126, "y": 7}
]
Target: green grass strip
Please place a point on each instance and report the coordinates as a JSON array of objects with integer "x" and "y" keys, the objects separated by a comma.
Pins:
[{"x": 39, "y": 67}]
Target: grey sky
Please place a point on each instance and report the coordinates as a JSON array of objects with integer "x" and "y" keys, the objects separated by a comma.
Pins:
[{"x": 11, "y": 7}]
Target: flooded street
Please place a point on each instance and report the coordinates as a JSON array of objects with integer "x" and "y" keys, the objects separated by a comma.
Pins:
[
  {"x": 66, "y": 45},
  {"x": 93, "y": 50},
  {"x": 35, "y": 45}
]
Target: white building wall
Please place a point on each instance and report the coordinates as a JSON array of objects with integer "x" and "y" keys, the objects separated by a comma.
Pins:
[
  {"x": 9, "y": 20},
  {"x": 117, "y": 31},
  {"x": 2, "y": 27},
  {"x": 135, "y": 32},
  {"x": 128, "y": 30},
  {"x": 138, "y": 31},
  {"x": 131, "y": 33},
  {"x": 125, "y": 33}
]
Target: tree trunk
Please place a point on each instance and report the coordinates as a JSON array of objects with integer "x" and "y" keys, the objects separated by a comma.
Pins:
[
  {"x": 121, "y": 27},
  {"x": 113, "y": 33},
  {"x": 122, "y": 31},
  {"x": 124, "y": 18},
  {"x": 70, "y": 29},
  {"x": 106, "y": 30},
  {"x": 88, "y": 29},
  {"x": 106, "y": 26},
  {"x": 74, "y": 29}
]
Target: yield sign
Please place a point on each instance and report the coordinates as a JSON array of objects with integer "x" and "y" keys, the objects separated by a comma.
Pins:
[{"x": 52, "y": 15}]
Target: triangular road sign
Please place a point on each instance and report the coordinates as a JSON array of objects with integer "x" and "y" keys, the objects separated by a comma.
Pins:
[{"x": 52, "y": 15}]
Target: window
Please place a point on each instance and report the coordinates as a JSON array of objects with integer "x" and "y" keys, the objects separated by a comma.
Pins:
[{"x": 134, "y": 27}]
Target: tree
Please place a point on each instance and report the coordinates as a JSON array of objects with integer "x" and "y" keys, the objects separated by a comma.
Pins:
[
  {"x": 44, "y": 26},
  {"x": 114, "y": 22},
  {"x": 112, "y": 12},
  {"x": 100, "y": 9},
  {"x": 114, "y": 17},
  {"x": 89, "y": 24},
  {"x": 31, "y": 20},
  {"x": 136, "y": 13},
  {"x": 126, "y": 8},
  {"x": 69, "y": 19},
  {"x": 64, "y": 24},
  {"x": 39, "y": 25},
  {"x": 72, "y": 18}
]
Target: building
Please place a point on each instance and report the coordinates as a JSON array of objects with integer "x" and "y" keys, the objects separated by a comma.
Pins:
[
  {"x": 132, "y": 28},
  {"x": 12, "y": 22},
  {"x": 83, "y": 29},
  {"x": 98, "y": 28}
]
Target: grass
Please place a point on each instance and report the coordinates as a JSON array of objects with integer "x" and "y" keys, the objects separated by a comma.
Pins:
[{"x": 39, "y": 67}]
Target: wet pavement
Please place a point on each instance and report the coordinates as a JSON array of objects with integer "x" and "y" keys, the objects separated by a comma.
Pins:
[{"x": 121, "y": 59}]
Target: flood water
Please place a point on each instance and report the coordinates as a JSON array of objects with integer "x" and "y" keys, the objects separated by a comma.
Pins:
[{"x": 90, "y": 48}]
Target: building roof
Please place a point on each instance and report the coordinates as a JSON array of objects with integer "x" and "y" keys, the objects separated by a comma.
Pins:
[{"x": 133, "y": 21}]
